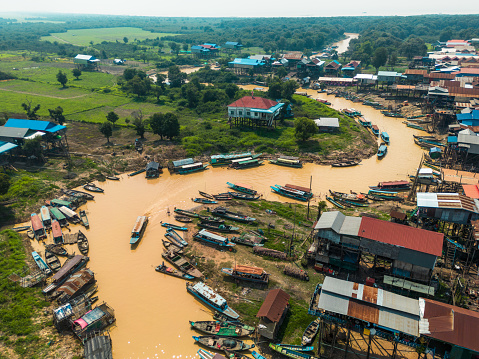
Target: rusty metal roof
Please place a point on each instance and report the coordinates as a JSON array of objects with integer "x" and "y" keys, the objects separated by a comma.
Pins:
[
  {"x": 76, "y": 282},
  {"x": 455, "y": 176},
  {"x": 139, "y": 224},
  {"x": 36, "y": 222},
  {"x": 447, "y": 200},
  {"x": 396, "y": 234},
  {"x": 274, "y": 305},
  {"x": 299, "y": 188},
  {"x": 449, "y": 324},
  {"x": 67, "y": 267},
  {"x": 248, "y": 269}
]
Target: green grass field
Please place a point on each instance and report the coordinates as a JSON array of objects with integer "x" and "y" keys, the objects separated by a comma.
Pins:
[{"x": 82, "y": 37}]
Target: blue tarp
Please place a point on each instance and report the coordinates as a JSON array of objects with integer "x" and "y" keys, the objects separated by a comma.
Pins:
[
  {"x": 451, "y": 139},
  {"x": 93, "y": 315},
  {"x": 470, "y": 122},
  {"x": 44, "y": 126},
  {"x": 473, "y": 115}
]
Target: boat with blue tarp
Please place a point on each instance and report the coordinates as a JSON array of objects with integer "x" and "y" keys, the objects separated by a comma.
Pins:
[
  {"x": 234, "y": 216},
  {"x": 175, "y": 237},
  {"x": 41, "y": 263},
  {"x": 174, "y": 226},
  {"x": 257, "y": 355},
  {"x": 385, "y": 137},
  {"x": 291, "y": 353},
  {"x": 46, "y": 218},
  {"x": 204, "y": 200},
  {"x": 208, "y": 296},
  {"x": 138, "y": 229},
  {"x": 242, "y": 188},
  {"x": 213, "y": 238},
  {"x": 382, "y": 150}
]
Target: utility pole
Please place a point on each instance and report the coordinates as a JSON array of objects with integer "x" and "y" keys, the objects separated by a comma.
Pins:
[{"x": 309, "y": 200}]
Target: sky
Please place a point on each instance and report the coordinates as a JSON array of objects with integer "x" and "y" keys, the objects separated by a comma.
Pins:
[{"x": 243, "y": 8}]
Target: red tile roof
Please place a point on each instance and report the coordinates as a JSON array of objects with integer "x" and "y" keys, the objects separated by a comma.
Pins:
[
  {"x": 293, "y": 56},
  {"x": 253, "y": 102},
  {"x": 274, "y": 305},
  {"x": 400, "y": 235},
  {"x": 440, "y": 75},
  {"x": 452, "y": 324},
  {"x": 415, "y": 72}
]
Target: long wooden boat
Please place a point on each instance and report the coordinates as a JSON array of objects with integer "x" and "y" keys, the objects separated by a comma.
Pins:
[
  {"x": 375, "y": 130},
  {"x": 292, "y": 192},
  {"x": 242, "y": 188},
  {"x": 175, "y": 237},
  {"x": 385, "y": 137},
  {"x": 162, "y": 268},
  {"x": 70, "y": 215},
  {"x": 184, "y": 212},
  {"x": 382, "y": 150},
  {"x": 337, "y": 204},
  {"x": 82, "y": 243},
  {"x": 46, "y": 218},
  {"x": 220, "y": 343},
  {"x": 345, "y": 163},
  {"x": 184, "y": 219},
  {"x": 52, "y": 261},
  {"x": 257, "y": 355},
  {"x": 113, "y": 178},
  {"x": 393, "y": 186},
  {"x": 181, "y": 262},
  {"x": 204, "y": 200},
  {"x": 78, "y": 194},
  {"x": 137, "y": 172},
  {"x": 234, "y": 216},
  {"x": 349, "y": 196},
  {"x": 353, "y": 203},
  {"x": 41, "y": 263},
  {"x": 57, "y": 249},
  {"x": 373, "y": 197},
  {"x": 57, "y": 232},
  {"x": 223, "y": 228},
  {"x": 56, "y": 202},
  {"x": 206, "y": 195},
  {"x": 171, "y": 245},
  {"x": 415, "y": 126},
  {"x": 216, "y": 220},
  {"x": 299, "y": 348},
  {"x": 248, "y": 239},
  {"x": 213, "y": 238},
  {"x": 59, "y": 216},
  {"x": 194, "y": 167},
  {"x": 174, "y": 226},
  {"x": 208, "y": 296},
  {"x": 291, "y": 353},
  {"x": 390, "y": 196},
  {"x": 21, "y": 228},
  {"x": 430, "y": 165},
  {"x": 223, "y": 160},
  {"x": 287, "y": 161},
  {"x": 92, "y": 188},
  {"x": 37, "y": 227},
  {"x": 245, "y": 196},
  {"x": 84, "y": 218},
  {"x": 69, "y": 267},
  {"x": 138, "y": 229},
  {"x": 342, "y": 202},
  {"x": 363, "y": 122},
  {"x": 247, "y": 273},
  {"x": 222, "y": 329},
  {"x": 310, "y": 332}
]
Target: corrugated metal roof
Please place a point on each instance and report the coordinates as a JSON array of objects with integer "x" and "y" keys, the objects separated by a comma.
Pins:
[
  {"x": 332, "y": 220},
  {"x": 405, "y": 284},
  {"x": 254, "y": 102},
  {"x": 98, "y": 347},
  {"x": 248, "y": 269},
  {"x": 395, "y": 234},
  {"x": 186, "y": 161},
  {"x": 6, "y": 146},
  {"x": 327, "y": 121},
  {"x": 36, "y": 222},
  {"x": 209, "y": 293},
  {"x": 456, "y": 176},
  {"x": 471, "y": 190},
  {"x": 333, "y": 302},
  {"x": 350, "y": 226},
  {"x": 274, "y": 305},
  {"x": 446, "y": 200},
  {"x": 140, "y": 220},
  {"x": 36, "y": 125},
  {"x": 67, "y": 267},
  {"x": 13, "y": 132}
]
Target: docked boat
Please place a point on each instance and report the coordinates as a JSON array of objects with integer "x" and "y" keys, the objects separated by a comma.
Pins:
[
  {"x": 184, "y": 219},
  {"x": 208, "y": 296},
  {"x": 372, "y": 197},
  {"x": 222, "y": 329},
  {"x": 216, "y": 220},
  {"x": 287, "y": 161},
  {"x": 345, "y": 163},
  {"x": 70, "y": 215},
  {"x": 348, "y": 112},
  {"x": 162, "y": 268},
  {"x": 291, "y": 353},
  {"x": 57, "y": 249},
  {"x": 299, "y": 348},
  {"x": 291, "y": 193},
  {"x": 388, "y": 195},
  {"x": 234, "y": 216},
  {"x": 113, "y": 178},
  {"x": 218, "y": 227},
  {"x": 213, "y": 238},
  {"x": 21, "y": 228},
  {"x": 171, "y": 245},
  {"x": 257, "y": 355},
  {"x": 392, "y": 186},
  {"x": 203, "y": 354},
  {"x": 41, "y": 263},
  {"x": 69, "y": 267},
  {"x": 59, "y": 216},
  {"x": 385, "y": 137},
  {"x": 363, "y": 122},
  {"x": 57, "y": 232},
  {"x": 52, "y": 261},
  {"x": 310, "y": 332},
  {"x": 206, "y": 195},
  {"x": 61, "y": 202},
  {"x": 184, "y": 212},
  {"x": 84, "y": 219},
  {"x": 193, "y": 167},
  {"x": 138, "y": 229},
  {"x": 251, "y": 239},
  {"x": 336, "y": 203},
  {"x": 382, "y": 150},
  {"x": 175, "y": 237},
  {"x": 223, "y": 160},
  {"x": 225, "y": 196},
  {"x": 37, "y": 227},
  {"x": 82, "y": 243},
  {"x": 92, "y": 188},
  {"x": 221, "y": 343},
  {"x": 137, "y": 172},
  {"x": 247, "y": 273},
  {"x": 46, "y": 218},
  {"x": 246, "y": 163},
  {"x": 245, "y": 196},
  {"x": 415, "y": 126},
  {"x": 181, "y": 262},
  {"x": 174, "y": 226},
  {"x": 242, "y": 188},
  {"x": 204, "y": 200},
  {"x": 375, "y": 130},
  {"x": 78, "y": 194}
]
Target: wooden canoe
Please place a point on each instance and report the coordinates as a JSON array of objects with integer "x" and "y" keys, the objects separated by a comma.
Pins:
[
  {"x": 179, "y": 261},
  {"x": 220, "y": 343},
  {"x": 82, "y": 243},
  {"x": 310, "y": 332},
  {"x": 52, "y": 261},
  {"x": 162, "y": 268},
  {"x": 222, "y": 329},
  {"x": 84, "y": 219}
]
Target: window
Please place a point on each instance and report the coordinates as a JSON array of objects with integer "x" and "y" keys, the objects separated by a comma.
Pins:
[
  {"x": 232, "y": 112},
  {"x": 247, "y": 113},
  {"x": 240, "y": 113}
]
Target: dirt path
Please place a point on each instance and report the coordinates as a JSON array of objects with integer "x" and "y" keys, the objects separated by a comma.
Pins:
[
  {"x": 65, "y": 41},
  {"x": 50, "y": 96}
]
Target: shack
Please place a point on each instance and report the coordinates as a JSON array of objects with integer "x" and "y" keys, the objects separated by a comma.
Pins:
[
  {"x": 75, "y": 285},
  {"x": 152, "y": 169},
  {"x": 272, "y": 313},
  {"x": 98, "y": 346},
  {"x": 86, "y": 62},
  {"x": 447, "y": 207},
  {"x": 327, "y": 124},
  {"x": 95, "y": 320}
]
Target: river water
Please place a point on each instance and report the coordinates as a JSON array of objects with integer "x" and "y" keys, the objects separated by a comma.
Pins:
[{"x": 153, "y": 309}]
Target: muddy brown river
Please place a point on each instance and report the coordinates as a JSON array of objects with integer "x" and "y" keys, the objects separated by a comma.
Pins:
[{"x": 152, "y": 309}]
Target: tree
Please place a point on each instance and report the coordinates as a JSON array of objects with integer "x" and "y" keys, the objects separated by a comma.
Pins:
[
  {"x": 175, "y": 47},
  {"x": 106, "y": 128},
  {"x": 31, "y": 112},
  {"x": 185, "y": 47},
  {"x": 112, "y": 117},
  {"x": 62, "y": 78},
  {"x": 76, "y": 73},
  {"x": 157, "y": 121},
  {"x": 380, "y": 57},
  {"x": 139, "y": 123},
  {"x": 57, "y": 115},
  {"x": 175, "y": 76},
  {"x": 33, "y": 147},
  {"x": 304, "y": 128},
  {"x": 275, "y": 89},
  {"x": 4, "y": 183},
  {"x": 289, "y": 88},
  {"x": 231, "y": 90},
  {"x": 171, "y": 125},
  {"x": 393, "y": 58},
  {"x": 282, "y": 72},
  {"x": 125, "y": 40}
]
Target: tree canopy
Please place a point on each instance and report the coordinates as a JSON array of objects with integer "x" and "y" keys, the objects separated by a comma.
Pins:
[
  {"x": 106, "y": 128},
  {"x": 304, "y": 128},
  {"x": 62, "y": 78}
]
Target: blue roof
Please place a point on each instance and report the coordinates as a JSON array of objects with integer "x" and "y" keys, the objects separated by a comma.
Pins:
[
  {"x": 270, "y": 110},
  {"x": 234, "y": 43},
  {"x": 348, "y": 69},
  {"x": 200, "y": 48},
  {"x": 470, "y": 122},
  {"x": 451, "y": 139},
  {"x": 214, "y": 45},
  {"x": 252, "y": 62},
  {"x": 44, "y": 126},
  {"x": 6, "y": 146},
  {"x": 473, "y": 115}
]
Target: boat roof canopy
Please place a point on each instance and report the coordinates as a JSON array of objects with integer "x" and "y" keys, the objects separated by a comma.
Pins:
[
  {"x": 248, "y": 269},
  {"x": 214, "y": 236},
  {"x": 139, "y": 224}
]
